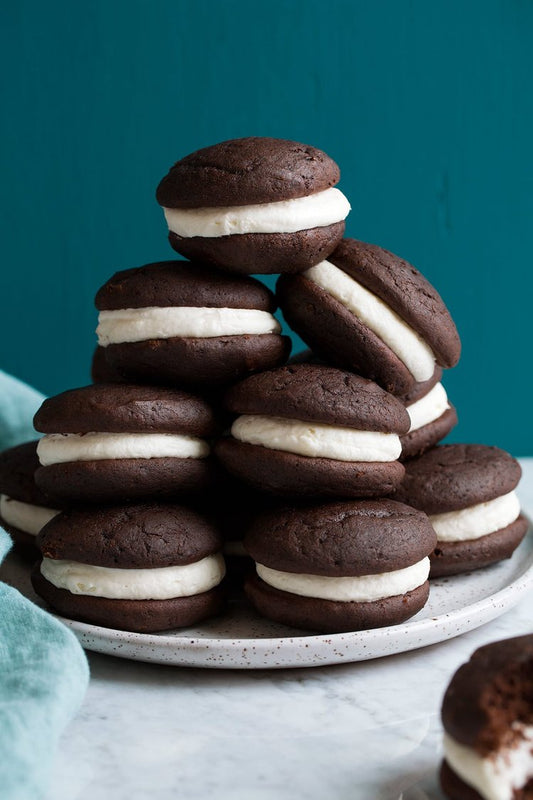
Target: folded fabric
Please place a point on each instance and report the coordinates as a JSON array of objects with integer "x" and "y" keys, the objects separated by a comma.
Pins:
[
  {"x": 43, "y": 670},
  {"x": 18, "y": 404}
]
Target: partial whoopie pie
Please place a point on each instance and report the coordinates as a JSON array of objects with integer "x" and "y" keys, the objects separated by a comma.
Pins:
[
  {"x": 24, "y": 508},
  {"x": 307, "y": 429},
  {"x": 188, "y": 324},
  {"x": 468, "y": 492},
  {"x": 370, "y": 311},
  {"x": 140, "y": 568},
  {"x": 342, "y": 566},
  {"x": 432, "y": 417},
  {"x": 487, "y": 714},
  {"x": 116, "y": 442},
  {"x": 254, "y": 205}
]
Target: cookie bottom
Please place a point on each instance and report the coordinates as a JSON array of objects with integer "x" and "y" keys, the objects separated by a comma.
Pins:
[
  {"x": 327, "y": 616},
  {"x": 197, "y": 362},
  {"x": 24, "y": 543},
  {"x": 264, "y": 253},
  {"x": 121, "y": 479},
  {"x": 334, "y": 333},
  {"x": 417, "y": 442},
  {"x": 287, "y": 474},
  {"x": 138, "y": 616},
  {"x": 452, "y": 558}
]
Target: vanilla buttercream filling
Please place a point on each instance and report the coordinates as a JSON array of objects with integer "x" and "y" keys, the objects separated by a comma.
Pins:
[
  {"x": 498, "y": 775},
  {"x": 316, "y": 440},
  {"x": 476, "y": 521},
  {"x": 141, "y": 324},
  {"x": 58, "y": 448},
  {"x": 362, "y": 589},
  {"x": 26, "y": 517},
  {"x": 159, "y": 583},
  {"x": 428, "y": 408},
  {"x": 284, "y": 216},
  {"x": 410, "y": 348}
]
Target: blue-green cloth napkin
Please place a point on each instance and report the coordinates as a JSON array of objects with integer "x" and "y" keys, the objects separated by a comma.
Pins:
[{"x": 43, "y": 670}]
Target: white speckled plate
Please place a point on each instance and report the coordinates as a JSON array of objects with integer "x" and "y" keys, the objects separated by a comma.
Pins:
[{"x": 241, "y": 640}]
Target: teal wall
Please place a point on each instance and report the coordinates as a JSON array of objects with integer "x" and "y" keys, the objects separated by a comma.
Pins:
[{"x": 426, "y": 105}]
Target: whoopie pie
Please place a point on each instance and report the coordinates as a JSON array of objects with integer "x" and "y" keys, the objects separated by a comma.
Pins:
[{"x": 254, "y": 205}]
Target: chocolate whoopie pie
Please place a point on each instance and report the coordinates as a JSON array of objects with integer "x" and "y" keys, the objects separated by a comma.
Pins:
[
  {"x": 432, "y": 417},
  {"x": 188, "y": 324},
  {"x": 254, "y": 205},
  {"x": 116, "y": 442},
  {"x": 467, "y": 490},
  {"x": 487, "y": 714},
  {"x": 313, "y": 430},
  {"x": 140, "y": 568},
  {"x": 370, "y": 311},
  {"x": 342, "y": 566},
  {"x": 24, "y": 508}
]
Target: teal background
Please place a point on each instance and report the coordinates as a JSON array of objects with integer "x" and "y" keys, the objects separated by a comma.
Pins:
[{"x": 426, "y": 106}]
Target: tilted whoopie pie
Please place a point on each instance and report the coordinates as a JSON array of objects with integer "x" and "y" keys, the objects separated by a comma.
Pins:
[
  {"x": 139, "y": 568},
  {"x": 254, "y": 205},
  {"x": 115, "y": 442},
  {"x": 307, "y": 429},
  {"x": 188, "y": 324},
  {"x": 467, "y": 490},
  {"x": 370, "y": 311},
  {"x": 487, "y": 714},
  {"x": 24, "y": 508},
  {"x": 342, "y": 566},
  {"x": 432, "y": 417}
]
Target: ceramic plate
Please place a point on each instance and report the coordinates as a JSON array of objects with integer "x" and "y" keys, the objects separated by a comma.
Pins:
[{"x": 241, "y": 640}]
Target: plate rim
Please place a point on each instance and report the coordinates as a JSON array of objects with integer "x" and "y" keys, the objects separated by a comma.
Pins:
[{"x": 501, "y": 601}]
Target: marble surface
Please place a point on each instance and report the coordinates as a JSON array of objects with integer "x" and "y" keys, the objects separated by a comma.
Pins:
[{"x": 363, "y": 731}]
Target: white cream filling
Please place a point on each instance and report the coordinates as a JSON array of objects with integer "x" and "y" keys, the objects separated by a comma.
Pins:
[
  {"x": 159, "y": 583},
  {"x": 285, "y": 216},
  {"x": 58, "y": 448},
  {"x": 496, "y": 776},
  {"x": 26, "y": 517},
  {"x": 363, "y": 589},
  {"x": 410, "y": 348},
  {"x": 316, "y": 440},
  {"x": 476, "y": 521},
  {"x": 428, "y": 408},
  {"x": 141, "y": 324}
]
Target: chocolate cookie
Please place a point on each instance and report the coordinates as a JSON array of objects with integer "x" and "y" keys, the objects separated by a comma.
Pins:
[
  {"x": 24, "y": 508},
  {"x": 101, "y": 369},
  {"x": 185, "y": 324},
  {"x": 341, "y": 566},
  {"x": 254, "y": 205},
  {"x": 468, "y": 492},
  {"x": 308, "y": 429},
  {"x": 487, "y": 714},
  {"x": 370, "y": 311},
  {"x": 116, "y": 442},
  {"x": 139, "y": 568},
  {"x": 432, "y": 417}
]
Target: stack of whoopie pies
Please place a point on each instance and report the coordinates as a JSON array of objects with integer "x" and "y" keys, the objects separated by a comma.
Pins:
[{"x": 198, "y": 431}]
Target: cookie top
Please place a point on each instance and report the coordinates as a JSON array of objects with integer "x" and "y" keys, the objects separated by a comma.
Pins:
[
  {"x": 247, "y": 172},
  {"x": 125, "y": 408},
  {"x": 488, "y": 693},
  {"x": 182, "y": 283},
  {"x": 454, "y": 476},
  {"x": 404, "y": 289},
  {"x": 319, "y": 394},
  {"x": 355, "y": 538},
  {"x": 130, "y": 537},
  {"x": 17, "y": 468}
]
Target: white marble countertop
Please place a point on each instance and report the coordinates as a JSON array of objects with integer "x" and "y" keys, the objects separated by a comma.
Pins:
[{"x": 363, "y": 731}]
